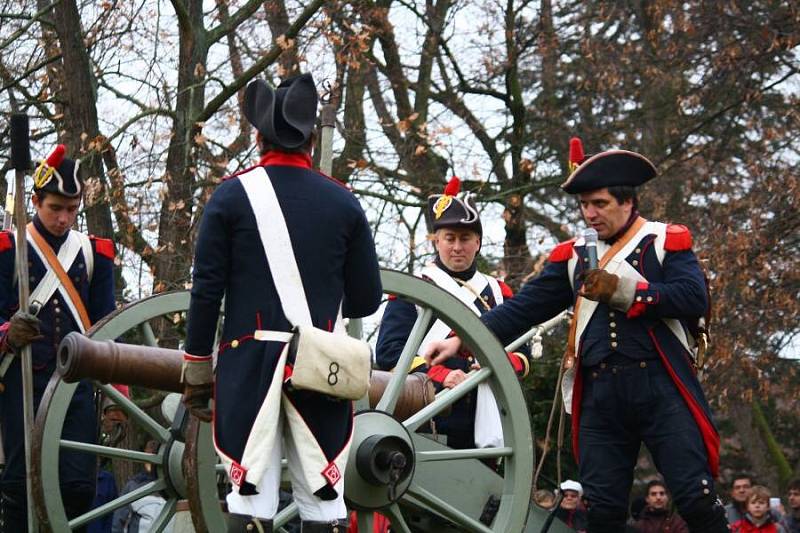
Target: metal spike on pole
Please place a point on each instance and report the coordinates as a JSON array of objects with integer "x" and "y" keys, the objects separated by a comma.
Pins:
[
  {"x": 21, "y": 161},
  {"x": 327, "y": 122}
]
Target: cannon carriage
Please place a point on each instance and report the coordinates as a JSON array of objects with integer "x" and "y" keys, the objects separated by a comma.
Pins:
[{"x": 393, "y": 469}]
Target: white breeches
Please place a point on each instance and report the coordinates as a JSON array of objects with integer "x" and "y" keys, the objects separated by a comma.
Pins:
[{"x": 265, "y": 503}]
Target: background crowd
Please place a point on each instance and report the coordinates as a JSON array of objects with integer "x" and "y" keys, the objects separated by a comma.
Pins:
[{"x": 749, "y": 508}]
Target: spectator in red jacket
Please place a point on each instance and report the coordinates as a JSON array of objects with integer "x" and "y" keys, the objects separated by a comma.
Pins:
[
  {"x": 758, "y": 519},
  {"x": 657, "y": 515}
]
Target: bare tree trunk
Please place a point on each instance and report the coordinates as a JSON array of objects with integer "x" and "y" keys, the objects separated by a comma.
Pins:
[
  {"x": 741, "y": 415},
  {"x": 80, "y": 116},
  {"x": 174, "y": 251}
]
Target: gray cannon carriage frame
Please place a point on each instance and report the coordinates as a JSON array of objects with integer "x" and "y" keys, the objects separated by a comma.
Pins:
[{"x": 440, "y": 489}]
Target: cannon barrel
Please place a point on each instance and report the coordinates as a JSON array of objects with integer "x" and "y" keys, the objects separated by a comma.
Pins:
[
  {"x": 160, "y": 368},
  {"x": 113, "y": 362}
]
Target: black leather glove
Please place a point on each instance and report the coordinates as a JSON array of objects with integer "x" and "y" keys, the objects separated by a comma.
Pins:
[
  {"x": 23, "y": 329},
  {"x": 196, "y": 398}
]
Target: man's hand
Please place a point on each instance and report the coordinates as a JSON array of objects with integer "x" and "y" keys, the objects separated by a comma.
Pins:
[
  {"x": 23, "y": 328},
  {"x": 599, "y": 285},
  {"x": 196, "y": 398},
  {"x": 454, "y": 378},
  {"x": 438, "y": 352}
]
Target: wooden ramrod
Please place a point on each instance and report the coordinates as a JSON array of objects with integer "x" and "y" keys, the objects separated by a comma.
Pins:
[{"x": 160, "y": 368}]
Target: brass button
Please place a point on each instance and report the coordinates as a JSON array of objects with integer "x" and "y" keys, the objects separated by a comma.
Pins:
[
  {"x": 602, "y": 365},
  {"x": 80, "y": 265},
  {"x": 57, "y": 310},
  {"x": 250, "y": 527},
  {"x": 611, "y": 314},
  {"x": 55, "y": 301},
  {"x": 585, "y": 259},
  {"x": 614, "y": 344},
  {"x": 234, "y": 344},
  {"x": 649, "y": 298},
  {"x": 33, "y": 279},
  {"x": 613, "y": 335},
  {"x": 614, "y": 370},
  {"x": 77, "y": 279},
  {"x": 706, "y": 491},
  {"x": 638, "y": 298},
  {"x": 594, "y": 374},
  {"x": 704, "y": 482},
  {"x": 613, "y": 325},
  {"x": 58, "y": 329},
  {"x": 643, "y": 364},
  {"x": 635, "y": 262},
  {"x": 638, "y": 250}
]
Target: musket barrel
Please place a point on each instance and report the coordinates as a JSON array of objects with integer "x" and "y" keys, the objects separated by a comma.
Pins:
[{"x": 112, "y": 362}]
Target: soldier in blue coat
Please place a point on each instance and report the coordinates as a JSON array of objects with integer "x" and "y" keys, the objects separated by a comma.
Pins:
[
  {"x": 457, "y": 239},
  {"x": 631, "y": 376},
  {"x": 335, "y": 254},
  {"x": 57, "y": 307}
]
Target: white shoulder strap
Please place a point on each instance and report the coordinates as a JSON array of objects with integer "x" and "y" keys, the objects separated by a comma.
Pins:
[
  {"x": 497, "y": 292},
  {"x": 50, "y": 282},
  {"x": 277, "y": 245},
  {"x": 88, "y": 254}
]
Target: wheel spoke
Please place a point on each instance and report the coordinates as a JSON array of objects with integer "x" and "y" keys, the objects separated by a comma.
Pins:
[
  {"x": 114, "y": 453},
  {"x": 148, "y": 335},
  {"x": 395, "y": 516},
  {"x": 146, "y": 421},
  {"x": 394, "y": 388},
  {"x": 443, "y": 508},
  {"x": 365, "y": 520},
  {"x": 455, "y": 455},
  {"x": 446, "y": 398},
  {"x": 164, "y": 517},
  {"x": 285, "y": 515},
  {"x": 145, "y": 490}
]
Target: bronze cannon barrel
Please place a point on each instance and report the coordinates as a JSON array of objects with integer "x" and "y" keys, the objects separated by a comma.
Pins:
[
  {"x": 80, "y": 357},
  {"x": 114, "y": 362}
]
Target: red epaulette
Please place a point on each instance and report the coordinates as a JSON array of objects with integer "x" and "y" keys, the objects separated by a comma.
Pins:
[
  {"x": 505, "y": 290},
  {"x": 392, "y": 297},
  {"x": 678, "y": 238},
  {"x": 5, "y": 241},
  {"x": 562, "y": 252},
  {"x": 104, "y": 247}
]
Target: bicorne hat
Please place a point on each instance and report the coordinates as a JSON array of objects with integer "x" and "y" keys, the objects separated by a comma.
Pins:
[
  {"x": 606, "y": 169},
  {"x": 58, "y": 174},
  {"x": 451, "y": 210},
  {"x": 284, "y": 116}
]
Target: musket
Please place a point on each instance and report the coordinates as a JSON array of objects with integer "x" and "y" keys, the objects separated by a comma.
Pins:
[
  {"x": 327, "y": 123},
  {"x": 21, "y": 161}
]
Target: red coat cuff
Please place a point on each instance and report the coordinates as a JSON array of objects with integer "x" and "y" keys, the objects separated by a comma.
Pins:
[
  {"x": 643, "y": 298},
  {"x": 438, "y": 373}
]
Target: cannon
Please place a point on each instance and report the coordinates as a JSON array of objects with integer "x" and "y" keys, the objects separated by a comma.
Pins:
[{"x": 439, "y": 489}]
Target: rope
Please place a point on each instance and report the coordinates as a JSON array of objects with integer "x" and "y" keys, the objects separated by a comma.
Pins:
[{"x": 546, "y": 445}]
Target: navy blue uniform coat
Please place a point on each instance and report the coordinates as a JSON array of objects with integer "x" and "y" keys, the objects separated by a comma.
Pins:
[
  {"x": 336, "y": 257},
  {"x": 76, "y": 469}
]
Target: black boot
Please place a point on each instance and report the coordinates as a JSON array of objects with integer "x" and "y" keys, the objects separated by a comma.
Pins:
[
  {"x": 706, "y": 515},
  {"x": 334, "y": 526},
  {"x": 242, "y": 523},
  {"x": 606, "y": 521}
]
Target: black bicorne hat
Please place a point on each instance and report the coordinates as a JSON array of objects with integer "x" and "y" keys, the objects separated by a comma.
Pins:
[
  {"x": 607, "y": 169},
  {"x": 58, "y": 174},
  {"x": 284, "y": 116},
  {"x": 449, "y": 210}
]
